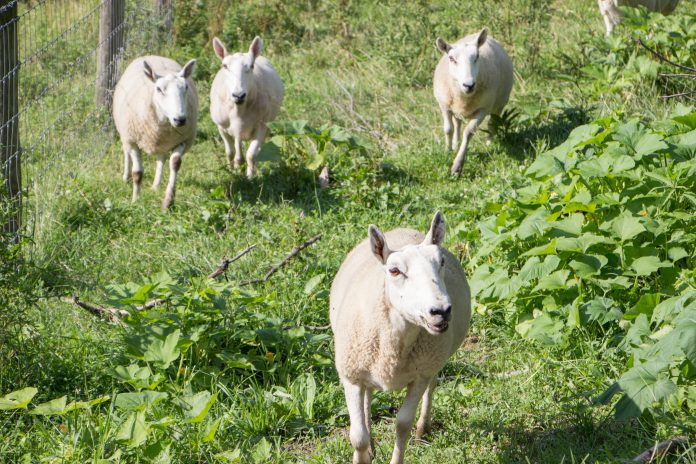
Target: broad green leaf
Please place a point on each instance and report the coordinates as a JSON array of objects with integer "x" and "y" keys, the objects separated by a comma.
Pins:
[
  {"x": 623, "y": 163},
  {"x": 133, "y": 431},
  {"x": 643, "y": 385},
  {"x": 588, "y": 265},
  {"x": 545, "y": 165},
  {"x": 229, "y": 457},
  {"x": 210, "y": 429},
  {"x": 196, "y": 407},
  {"x": 645, "y": 305},
  {"x": 571, "y": 225},
  {"x": 546, "y": 249},
  {"x": 50, "y": 408},
  {"x": 545, "y": 329},
  {"x": 261, "y": 453},
  {"x": 534, "y": 268},
  {"x": 163, "y": 353},
  {"x": 647, "y": 265},
  {"x": 649, "y": 144},
  {"x": 269, "y": 152},
  {"x": 626, "y": 227},
  {"x": 533, "y": 224},
  {"x": 601, "y": 310},
  {"x": 312, "y": 283},
  {"x": 139, "y": 400},
  {"x": 18, "y": 399},
  {"x": 555, "y": 281},
  {"x": 582, "y": 243},
  {"x": 593, "y": 167},
  {"x": 677, "y": 253},
  {"x": 687, "y": 119},
  {"x": 636, "y": 332}
]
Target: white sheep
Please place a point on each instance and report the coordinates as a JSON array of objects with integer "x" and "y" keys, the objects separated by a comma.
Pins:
[
  {"x": 473, "y": 78},
  {"x": 246, "y": 94},
  {"x": 400, "y": 307},
  {"x": 612, "y": 15},
  {"x": 155, "y": 109}
]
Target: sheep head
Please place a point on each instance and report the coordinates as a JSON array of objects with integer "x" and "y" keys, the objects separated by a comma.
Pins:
[
  {"x": 169, "y": 95},
  {"x": 414, "y": 278},
  {"x": 463, "y": 60},
  {"x": 238, "y": 69}
]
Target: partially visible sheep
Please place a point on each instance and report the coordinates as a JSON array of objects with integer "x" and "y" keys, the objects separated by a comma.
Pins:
[
  {"x": 472, "y": 79},
  {"x": 612, "y": 15},
  {"x": 246, "y": 94},
  {"x": 400, "y": 307},
  {"x": 155, "y": 109}
]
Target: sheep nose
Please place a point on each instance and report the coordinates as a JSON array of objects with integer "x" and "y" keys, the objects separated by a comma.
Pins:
[
  {"x": 445, "y": 312},
  {"x": 239, "y": 97},
  {"x": 178, "y": 122},
  {"x": 468, "y": 88}
]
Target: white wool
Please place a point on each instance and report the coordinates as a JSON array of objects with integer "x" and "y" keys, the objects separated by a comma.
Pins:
[{"x": 612, "y": 15}]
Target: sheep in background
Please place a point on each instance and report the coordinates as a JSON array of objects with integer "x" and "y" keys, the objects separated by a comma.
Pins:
[
  {"x": 246, "y": 94},
  {"x": 472, "y": 79},
  {"x": 155, "y": 109},
  {"x": 612, "y": 15},
  {"x": 400, "y": 307}
]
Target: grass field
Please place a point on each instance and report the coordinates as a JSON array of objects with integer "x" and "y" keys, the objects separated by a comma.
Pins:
[{"x": 273, "y": 394}]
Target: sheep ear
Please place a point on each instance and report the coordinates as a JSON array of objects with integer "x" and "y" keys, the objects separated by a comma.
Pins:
[
  {"x": 188, "y": 69},
  {"x": 443, "y": 46},
  {"x": 149, "y": 73},
  {"x": 483, "y": 35},
  {"x": 378, "y": 243},
  {"x": 256, "y": 47},
  {"x": 219, "y": 48},
  {"x": 436, "y": 234}
]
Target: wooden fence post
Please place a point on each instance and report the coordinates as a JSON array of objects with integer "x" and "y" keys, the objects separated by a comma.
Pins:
[
  {"x": 10, "y": 159},
  {"x": 111, "y": 29}
]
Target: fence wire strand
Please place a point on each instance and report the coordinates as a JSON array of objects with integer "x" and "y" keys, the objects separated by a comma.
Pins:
[{"x": 55, "y": 80}]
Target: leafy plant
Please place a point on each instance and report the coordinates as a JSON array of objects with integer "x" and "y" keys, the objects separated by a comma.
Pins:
[{"x": 599, "y": 237}]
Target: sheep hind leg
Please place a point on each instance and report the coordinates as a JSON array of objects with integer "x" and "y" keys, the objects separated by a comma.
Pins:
[
  {"x": 158, "y": 172},
  {"x": 136, "y": 172},
  {"x": 367, "y": 407},
  {"x": 468, "y": 133},
  {"x": 424, "y": 421},
  {"x": 405, "y": 416},
  {"x": 174, "y": 166},
  {"x": 359, "y": 434},
  {"x": 253, "y": 150}
]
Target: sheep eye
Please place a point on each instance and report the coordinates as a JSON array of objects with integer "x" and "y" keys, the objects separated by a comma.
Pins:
[
  {"x": 159, "y": 89},
  {"x": 225, "y": 66},
  {"x": 394, "y": 271},
  {"x": 452, "y": 60}
]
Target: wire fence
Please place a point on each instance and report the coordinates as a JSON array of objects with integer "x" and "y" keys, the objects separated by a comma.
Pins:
[{"x": 59, "y": 63}]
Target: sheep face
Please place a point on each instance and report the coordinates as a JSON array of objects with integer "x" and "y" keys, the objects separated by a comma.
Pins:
[
  {"x": 170, "y": 94},
  {"x": 414, "y": 278},
  {"x": 463, "y": 61},
  {"x": 239, "y": 69}
]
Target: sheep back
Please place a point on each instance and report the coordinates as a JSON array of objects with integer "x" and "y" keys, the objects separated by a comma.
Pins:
[
  {"x": 360, "y": 320},
  {"x": 134, "y": 113},
  {"x": 493, "y": 84},
  {"x": 261, "y": 107}
]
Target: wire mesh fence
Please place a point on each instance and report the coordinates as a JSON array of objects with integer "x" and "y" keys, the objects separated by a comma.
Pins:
[{"x": 60, "y": 60}]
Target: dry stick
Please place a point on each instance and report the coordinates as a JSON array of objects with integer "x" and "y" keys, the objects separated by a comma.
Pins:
[
  {"x": 226, "y": 262},
  {"x": 295, "y": 251},
  {"x": 308, "y": 327},
  {"x": 112, "y": 314},
  {"x": 659, "y": 450},
  {"x": 661, "y": 57}
]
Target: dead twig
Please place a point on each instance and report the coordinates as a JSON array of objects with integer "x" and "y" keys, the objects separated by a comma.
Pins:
[
  {"x": 311, "y": 328},
  {"x": 224, "y": 263},
  {"x": 660, "y": 450},
  {"x": 111, "y": 314},
  {"x": 295, "y": 251},
  {"x": 682, "y": 94},
  {"x": 661, "y": 57}
]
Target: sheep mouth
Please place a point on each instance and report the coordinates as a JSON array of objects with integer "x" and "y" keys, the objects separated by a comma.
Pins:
[
  {"x": 438, "y": 328},
  {"x": 238, "y": 101}
]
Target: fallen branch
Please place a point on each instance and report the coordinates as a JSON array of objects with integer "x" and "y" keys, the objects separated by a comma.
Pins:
[
  {"x": 661, "y": 57},
  {"x": 222, "y": 268},
  {"x": 295, "y": 251},
  {"x": 311, "y": 328},
  {"x": 112, "y": 314},
  {"x": 660, "y": 450}
]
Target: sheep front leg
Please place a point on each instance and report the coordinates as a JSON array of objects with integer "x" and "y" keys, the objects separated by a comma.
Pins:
[
  {"x": 253, "y": 150},
  {"x": 404, "y": 419},
  {"x": 359, "y": 433},
  {"x": 158, "y": 172},
  {"x": 468, "y": 133},
  {"x": 447, "y": 126},
  {"x": 228, "y": 140},
  {"x": 174, "y": 165},
  {"x": 136, "y": 172},
  {"x": 457, "y": 123},
  {"x": 126, "y": 162},
  {"x": 238, "y": 153},
  {"x": 423, "y": 425}
]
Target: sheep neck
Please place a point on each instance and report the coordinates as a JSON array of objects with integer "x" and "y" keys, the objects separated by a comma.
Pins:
[{"x": 402, "y": 334}]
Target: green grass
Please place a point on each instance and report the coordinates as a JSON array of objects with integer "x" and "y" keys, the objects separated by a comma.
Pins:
[{"x": 366, "y": 68}]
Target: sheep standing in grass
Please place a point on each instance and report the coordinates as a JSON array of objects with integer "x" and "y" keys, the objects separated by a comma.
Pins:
[
  {"x": 612, "y": 15},
  {"x": 400, "y": 307},
  {"x": 246, "y": 94},
  {"x": 472, "y": 79},
  {"x": 155, "y": 109}
]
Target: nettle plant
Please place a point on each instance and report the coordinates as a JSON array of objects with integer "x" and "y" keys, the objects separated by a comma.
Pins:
[
  {"x": 201, "y": 340},
  {"x": 618, "y": 63},
  {"x": 601, "y": 239}
]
